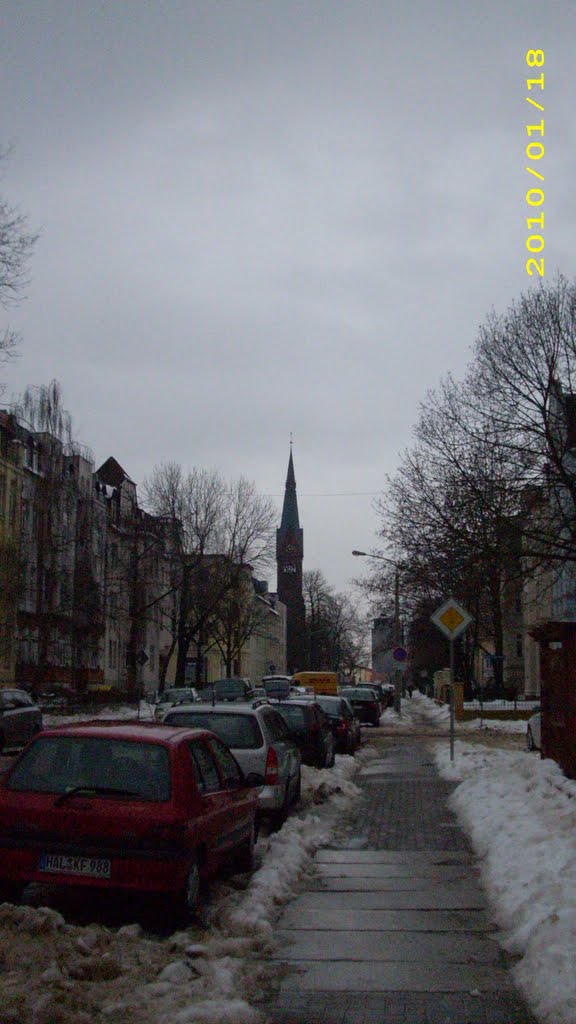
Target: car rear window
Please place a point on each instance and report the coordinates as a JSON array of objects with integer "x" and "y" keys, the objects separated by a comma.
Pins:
[
  {"x": 241, "y": 732},
  {"x": 358, "y": 694},
  {"x": 178, "y": 694},
  {"x": 277, "y": 689},
  {"x": 58, "y": 764},
  {"x": 331, "y": 706},
  {"x": 293, "y": 714}
]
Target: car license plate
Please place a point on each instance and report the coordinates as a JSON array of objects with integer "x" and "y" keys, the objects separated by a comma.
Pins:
[{"x": 63, "y": 864}]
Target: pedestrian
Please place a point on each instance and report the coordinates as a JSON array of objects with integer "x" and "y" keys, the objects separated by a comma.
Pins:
[{"x": 410, "y": 688}]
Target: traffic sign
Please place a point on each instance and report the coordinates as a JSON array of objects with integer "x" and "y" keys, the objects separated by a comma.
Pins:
[
  {"x": 451, "y": 618},
  {"x": 399, "y": 654}
]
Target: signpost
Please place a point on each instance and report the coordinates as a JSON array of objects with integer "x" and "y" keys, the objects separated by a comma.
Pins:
[{"x": 452, "y": 619}]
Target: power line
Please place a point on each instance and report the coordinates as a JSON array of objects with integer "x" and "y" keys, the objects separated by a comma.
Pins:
[{"x": 330, "y": 494}]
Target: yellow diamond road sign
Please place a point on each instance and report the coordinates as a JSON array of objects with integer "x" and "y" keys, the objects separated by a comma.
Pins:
[{"x": 451, "y": 618}]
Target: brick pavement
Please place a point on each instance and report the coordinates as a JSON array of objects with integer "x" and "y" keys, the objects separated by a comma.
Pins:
[{"x": 394, "y": 929}]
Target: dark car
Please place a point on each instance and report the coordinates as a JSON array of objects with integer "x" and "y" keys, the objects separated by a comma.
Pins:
[
  {"x": 341, "y": 720},
  {"x": 379, "y": 690},
  {"x": 227, "y": 689},
  {"x": 277, "y": 686},
  {"x": 131, "y": 806},
  {"x": 310, "y": 729},
  {"x": 20, "y": 718},
  {"x": 365, "y": 703}
]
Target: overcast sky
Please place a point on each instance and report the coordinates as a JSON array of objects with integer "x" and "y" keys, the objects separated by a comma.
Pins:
[{"x": 264, "y": 216}]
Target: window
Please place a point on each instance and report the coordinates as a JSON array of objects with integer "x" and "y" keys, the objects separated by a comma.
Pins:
[
  {"x": 13, "y": 501},
  {"x": 56, "y": 764},
  {"x": 240, "y": 732},
  {"x": 228, "y": 767},
  {"x": 2, "y": 493},
  {"x": 204, "y": 767},
  {"x": 276, "y": 725}
]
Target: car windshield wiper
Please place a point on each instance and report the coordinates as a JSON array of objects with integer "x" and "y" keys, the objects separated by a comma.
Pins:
[{"x": 99, "y": 790}]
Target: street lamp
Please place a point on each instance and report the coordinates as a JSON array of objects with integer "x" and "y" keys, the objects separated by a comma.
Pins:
[{"x": 397, "y": 632}]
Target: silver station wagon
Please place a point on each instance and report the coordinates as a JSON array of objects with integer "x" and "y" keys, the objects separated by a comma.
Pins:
[{"x": 259, "y": 739}]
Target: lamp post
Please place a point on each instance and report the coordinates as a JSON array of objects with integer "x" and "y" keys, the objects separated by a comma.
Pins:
[{"x": 397, "y": 631}]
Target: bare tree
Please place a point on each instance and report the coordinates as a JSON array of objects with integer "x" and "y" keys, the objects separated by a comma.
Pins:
[
  {"x": 455, "y": 510},
  {"x": 16, "y": 245},
  {"x": 524, "y": 377},
  {"x": 336, "y": 633},
  {"x": 220, "y": 529}
]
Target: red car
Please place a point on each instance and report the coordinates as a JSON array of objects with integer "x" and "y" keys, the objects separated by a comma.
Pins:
[{"x": 130, "y": 806}]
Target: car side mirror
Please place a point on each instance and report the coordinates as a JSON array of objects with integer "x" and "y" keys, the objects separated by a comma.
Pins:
[{"x": 254, "y": 779}]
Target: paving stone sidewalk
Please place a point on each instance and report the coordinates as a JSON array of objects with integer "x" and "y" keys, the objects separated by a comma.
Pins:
[{"x": 394, "y": 927}]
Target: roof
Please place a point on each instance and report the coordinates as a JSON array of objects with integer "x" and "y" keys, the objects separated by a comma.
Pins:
[
  {"x": 111, "y": 472},
  {"x": 122, "y": 730}
]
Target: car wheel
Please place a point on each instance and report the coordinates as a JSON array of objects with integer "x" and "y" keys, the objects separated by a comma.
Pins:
[
  {"x": 190, "y": 897},
  {"x": 279, "y": 817},
  {"x": 244, "y": 860},
  {"x": 11, "y": 892},
  {"x": 530, "y": 740},
  {"x": 298, "y": 793}
]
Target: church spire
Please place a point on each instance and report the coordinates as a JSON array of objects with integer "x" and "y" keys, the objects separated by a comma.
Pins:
[{"x": 290, "y": 519}]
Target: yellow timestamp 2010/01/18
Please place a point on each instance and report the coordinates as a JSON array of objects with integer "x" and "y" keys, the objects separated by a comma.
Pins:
[{"x": 535, "y": 152}]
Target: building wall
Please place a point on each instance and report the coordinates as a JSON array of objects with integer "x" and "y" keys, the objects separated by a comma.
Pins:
[{"x": 11, "y": 477}]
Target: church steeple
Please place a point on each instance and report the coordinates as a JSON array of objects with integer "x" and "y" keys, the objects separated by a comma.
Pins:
[
  {"x": 289, "y": 558},
  {"x": 290, "y": 520}
]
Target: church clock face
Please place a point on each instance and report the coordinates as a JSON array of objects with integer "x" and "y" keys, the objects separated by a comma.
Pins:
[{"x": 289, "y": 568}]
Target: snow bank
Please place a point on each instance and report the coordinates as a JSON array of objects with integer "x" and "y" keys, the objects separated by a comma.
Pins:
[{"x": 521, "y": 815}]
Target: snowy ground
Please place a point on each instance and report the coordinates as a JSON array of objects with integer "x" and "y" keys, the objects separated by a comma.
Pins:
[
  {"x": 520, "y": 813},
  {"x": 54, "y": 972}
]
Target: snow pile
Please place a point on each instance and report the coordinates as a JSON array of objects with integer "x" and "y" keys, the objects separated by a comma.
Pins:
[
  {"x": 417, "y": 711},
  {"x": 521, "y": 815},
  {"x": 118, "y": 712},
  {"x": 509, "y": 725}
]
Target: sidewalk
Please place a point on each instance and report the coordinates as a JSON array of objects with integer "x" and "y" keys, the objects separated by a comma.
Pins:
[{"x": 394, "y": 928}]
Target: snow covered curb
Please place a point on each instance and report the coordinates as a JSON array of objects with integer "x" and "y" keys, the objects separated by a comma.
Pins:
[{"x": 520, "y": 813}]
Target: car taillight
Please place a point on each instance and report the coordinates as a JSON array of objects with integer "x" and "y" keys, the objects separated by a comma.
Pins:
[
  {"x": 271, "y": 770},
  {"x": 374, "y": 705}
]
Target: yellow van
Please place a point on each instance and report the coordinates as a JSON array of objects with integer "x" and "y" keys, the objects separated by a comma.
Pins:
[{"x": 321, "y": 682}]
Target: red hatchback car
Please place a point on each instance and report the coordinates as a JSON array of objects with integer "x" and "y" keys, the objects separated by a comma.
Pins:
[{"x": 127, "y": 807}]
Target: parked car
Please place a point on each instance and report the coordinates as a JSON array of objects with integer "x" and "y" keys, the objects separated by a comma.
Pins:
[
  {"x": 310, "y": 730},
  {"x": 533, "y": 732},
  {"x": 365, "y": 703},
  {"x": 341, "y": 719},
  {"x": 236, "y": 688},
  {"x": 57, "y": 698},
  {"x": 355, "y": 725},
  {"x": 125, "y": 806},
  {"x": 170, "y": 697},
  {"x": 277, "y": 686},
  {"x": 20, "y": 718},
  {"x": 378, "y": 689},
  {"x": 259, "y": 739}
]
